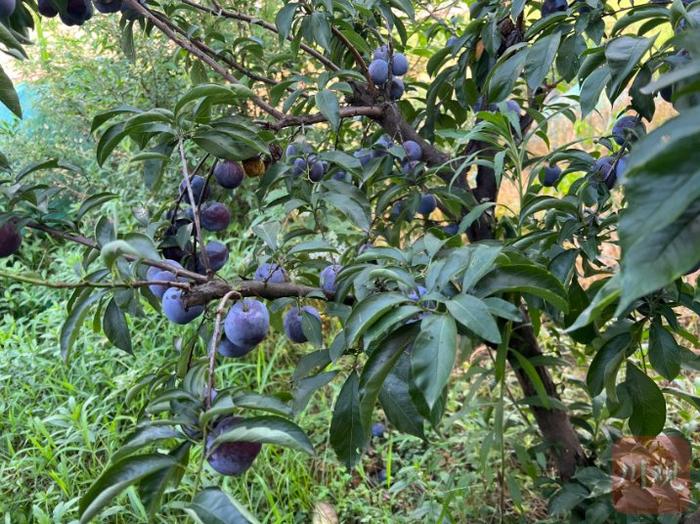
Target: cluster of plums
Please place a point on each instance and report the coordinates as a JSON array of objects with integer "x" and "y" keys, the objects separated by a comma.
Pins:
[
  {"x": 77, "y": 12},
  {"x": 386, "y": 68},
  {"x": 627, "y": 129}
]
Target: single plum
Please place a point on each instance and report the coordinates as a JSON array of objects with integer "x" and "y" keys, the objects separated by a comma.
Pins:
[
  {"x": 552, "y": 6},
  {"x": 328, "y": 278},
  {"x": 77, "y": 12},
  {"x": 364, "y": 156},
  {"x": 7, "y": 7},
  {"x": 341, "y": 176},
  {"x": 299, "y": 166},
  {"x": 378, "y": 429},
  {"x": 229, "y": 174},
  {"x": 627, "y": 128},
  {"x": 229, "y": 349},
  {"x": 396, "y": 88},
  {"x": 427, "y": 204},
  {"x": 47, "y": 8},
  {"x": 451, "y": 229},
  {"x": 174, "y": 307},
  {"x": 159, "y": 289},
  {"x": 316, "y": 171},
  {"x": 200, "y": 190},
  {"x": 551, "y": 176},
  {"x": 291, "y": 150},
  {"x": 247, "y": 323},
  {"x": 417, "y": 293},
  {"x": 381, "y": 53},
  {"x": 378, "y": 71},
  {"x": 272, "y": 273},
  {"x": 10, "y": 239},
  {"x": 217, "y": 254},
  {"x": 399, "y": 64},
  {"x": 293, "y": 321},
  {"x": 603, "y": 165},
  {"x": 214, "y": 216},
  {"x": 108, "y": 6},
  {"x": 413, "y": 150},
  {"x": 230, "y": 458}
]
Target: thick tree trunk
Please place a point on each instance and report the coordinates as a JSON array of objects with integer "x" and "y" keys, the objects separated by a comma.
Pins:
[{"x": 554, "y": 424}]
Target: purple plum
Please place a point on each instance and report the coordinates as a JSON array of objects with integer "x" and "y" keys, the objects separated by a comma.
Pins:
[
  {"x": 10, "y": 239},
  {"x": 271, "y": 273},
  {"x": 551, "y": 176},
  {"x": 328, "y": 277},
  {"x": 175, "y": 310},
  {"x": 379, "y": 71},
  {"x": 247, "y": 323},
  {"x": 214, "y": 216},
  {"x": 413, "y": 150},
  {"x": 200, "y": 190},
  {"x": 229, "y": 174},
  {"x": 229, "y": 349},
  {"x": 399, "y": 64},
  {"x": 230, "y": 458},
  {"x": 217, "y": 254},
  {"x": 396, "y": 88},
  {"x": 627, "y": 128},
  {"x": 293, "y": 321},
  {"x": 427, "y": 204}
]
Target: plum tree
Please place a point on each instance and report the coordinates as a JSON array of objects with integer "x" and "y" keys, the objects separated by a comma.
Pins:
[
  {"x": 230, "y": 458},
  {"x": 303, "y": 98},
  {"x": 293, "y": 322},
  {"x": 215, "y": 216},
  {"x": 247, "y": 323},
  {"x": 10, "y": 239},
  {"x": 228, "y": 174}
]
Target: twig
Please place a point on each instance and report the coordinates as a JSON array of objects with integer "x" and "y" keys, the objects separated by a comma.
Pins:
[
  {"x": 195, "y": 206},
  {"x": 86, "y": 283},
  {"x": 215, "y": 339}
]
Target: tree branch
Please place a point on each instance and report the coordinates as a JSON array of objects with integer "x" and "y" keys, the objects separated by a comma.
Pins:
[
  {"x": 374, "y": 111},
  {"x": 85, "y": 283}
]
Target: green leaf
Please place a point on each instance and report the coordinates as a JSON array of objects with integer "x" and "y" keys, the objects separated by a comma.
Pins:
[
  {"x": 327, "y": 103},
  {"x": 622, "y": 55},
  {"x": 308, "y": 386},
  {"x": 606, "y": 363},
  {"x": 474, "y": 314},
  {"x": 349, "y": 207},
  {"x": 606, "y": 296},
  {"x": 143, "y": 437},
  {"x": 213, "y": 506},
  {"x": 321, "y": 29},
  {"x": 592, "y": 87},
  {"x": 284, "y": 19},
  {"x": 94, "y": 201},
  {"x": 505, "y": 75},
  {"x": 567, "y": 498},
  {"x": 367, "y": 312},
  {"x": 433, "y": 356},
  {"x": 378, "y": 366},
  {"x": 664, "y": 353},
  {"x": 268, "y": 430},
  {"x": 525, "y": 278},
  {"x": 648, "y": 404},
  {"x": 214, "y": 94},
  {"x": 534, "y": 377},
  {"x": 74, "y": 320},
  {"x": 115, "y": 327},
  {"x": 152, "y": 487},
  {"x": 8, "y": 95},
  {"x": 116, "y": 478},
  {"x": 395, "y": 398},
  {"x": 342, "y": 159},
  {"x": 540, "y": 58},
  {"x": 347, "y": 436}
]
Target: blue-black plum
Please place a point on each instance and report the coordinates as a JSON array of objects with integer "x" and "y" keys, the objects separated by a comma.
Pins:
[
  {"x": 381, "y": 53},
  {"x": 47, "y": 8},
  {"x": 364, "y": 156},
  {"x": 396, "y": 88},
  {"x": 293, "y": 322},
  {"x": 108, "y": 6},
  {"x": 551, "y": 176},
  {"x": 427, "y": 204},
  {"x": 200, "y": 190},
  {"x": 230, "y": 458},
  {"x": 451, "y": 229},
  {"x": 175, "y": 310},
  {"x": 10, "y": 239},
  {"x": 229, "y": 349},
  {"x": 77, "y": 12},
  {"x": 552, "y": 6},
  {"x": 341, "y": 176},
  {"x": 269, "y": 272},
  {"x": 7, "y": 7},
  {"x": 316, "y": 171},
  {"x": 291, "y": 150},
  {"x": 229, "y": 174},
  {"x": 627, "y": 128},
  {"x": 417, "y": 293},
  {"x": 328, "y": 278},
  {"x": 247, "y": 323},
  {"x": 217, "y": 254},
  {"x": 452, "y": 41},
  {"x": 399, "y": 64},
  {"x": 299, "y": 166},
  {"x": 603, "y": 165},
  {"x": 413, "y": 150},
  {"x": 379, "y": 71},
  {"x": 214, "y": 216},
  {"x": 159, "y": 289},
  {"x": 409, "y": 166},
  {"x": 378, "y": 429}
]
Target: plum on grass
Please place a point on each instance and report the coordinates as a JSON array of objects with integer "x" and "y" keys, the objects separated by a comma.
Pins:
[
  {"x": 293, "y": 322},
  {"x": 175, "y": 310},
  {"x": 270, "y": 272},
  {"x": 230, "y": 458},
  {"x": 229, "y": 174},
  {"x": 247, "y": 323},
  {"x": 10, "y": 239},
  {"x": 328, "y": 277},
  {"x": 214, "y": 216}
]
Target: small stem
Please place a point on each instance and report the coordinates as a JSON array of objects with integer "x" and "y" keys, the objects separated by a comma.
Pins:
[
  {"x": 195, "y": 206},
  {"x": 215, "y": 339},
  {"x": 85, "y": 283}
]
